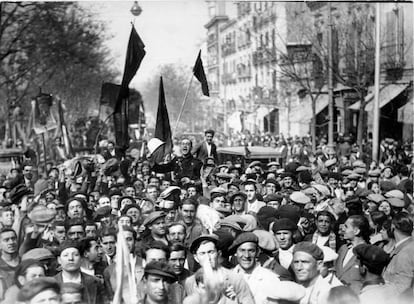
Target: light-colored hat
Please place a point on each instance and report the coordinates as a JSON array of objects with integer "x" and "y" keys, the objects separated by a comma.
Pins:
[{"x": 153, "y": 144}]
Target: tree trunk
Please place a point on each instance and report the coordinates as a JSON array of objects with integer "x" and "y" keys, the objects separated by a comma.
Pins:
[
  {"x": 313, "y": 124},
  {"x": 361, "y": 120}
]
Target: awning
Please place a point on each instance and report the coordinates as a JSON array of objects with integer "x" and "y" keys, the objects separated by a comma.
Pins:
[{"x": 387, "y": 93}]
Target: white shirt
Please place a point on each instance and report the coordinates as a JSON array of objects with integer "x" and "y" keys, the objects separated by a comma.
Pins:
[
  {"x": 348, "y": 256},
  {"x": 208, "y": 149},
  {"x": 255, "y": 206},
  {"x": 321, "y": 240},
  {"x": 66, "y": 279},
  {"x": 402, "y": 241},
  {"x": 286, "y": 257},
  {"x": 258, "y": 281},
  {"x": 91, "y": 272}
]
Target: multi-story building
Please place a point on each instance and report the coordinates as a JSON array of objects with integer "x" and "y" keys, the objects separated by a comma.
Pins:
[{"x": 252, "y": 54}]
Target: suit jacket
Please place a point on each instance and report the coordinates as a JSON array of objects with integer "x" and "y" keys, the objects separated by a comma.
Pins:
[
  {"x": 400, "y": 270},
  {"x": 348, "y": 273},
  {"x": 201, "y": 151},
  {"x": 93, "y": 290}
]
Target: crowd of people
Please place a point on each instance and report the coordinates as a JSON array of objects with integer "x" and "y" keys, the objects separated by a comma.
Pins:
[{"x": 309, "y": 228}]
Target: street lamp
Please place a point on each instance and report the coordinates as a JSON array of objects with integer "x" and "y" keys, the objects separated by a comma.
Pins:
[{"x": 136, "y": 10}]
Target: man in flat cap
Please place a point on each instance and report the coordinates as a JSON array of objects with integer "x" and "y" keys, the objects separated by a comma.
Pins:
[
  {"x": 283, "y": 230},
  {"x": 233, "y": 286},
  {"x": 155, "y": 223},
  {"x": 70, "y": 261},
  {"x": 40, "y": 290},
  {"x": 207, "y": 148},
  {"x": 246, "y": 250},
  {"x": 307, "y": 263},
  {"x": 372, "y": 261},
  {"x": 157, "y": 281},
  {"x": 72, "y": 293}
]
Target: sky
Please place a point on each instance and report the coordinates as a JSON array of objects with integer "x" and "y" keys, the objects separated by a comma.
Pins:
[{"x": 172, "y": 31}]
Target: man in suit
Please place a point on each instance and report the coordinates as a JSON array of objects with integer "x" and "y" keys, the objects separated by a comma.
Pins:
[
  {"x": 400, "y": 271},
  {"x": 206, "y": 148},
  {"x": 70, "y": 261}
]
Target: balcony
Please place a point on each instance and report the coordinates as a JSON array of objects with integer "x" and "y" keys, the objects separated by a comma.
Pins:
[
  {"x": 264, "y": 55},
  {"x": 228, "y": 49}
]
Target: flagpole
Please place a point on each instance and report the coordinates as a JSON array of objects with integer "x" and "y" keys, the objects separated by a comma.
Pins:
[{"x": 183, "y": 104}]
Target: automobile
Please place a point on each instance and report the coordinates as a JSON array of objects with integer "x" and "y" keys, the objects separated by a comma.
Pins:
[
  {"x": 10, "y": 158},
  {"x": 247, "y": 154}
]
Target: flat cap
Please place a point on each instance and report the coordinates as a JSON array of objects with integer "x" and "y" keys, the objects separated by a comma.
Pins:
[
  {"x": 41, "y": 215},
  {"x": 18, "y": 192},
  {"x": 169, "y": 192},
  {"x": 322, "y": 189},
  {"x": 374, "y": 173},
  {"x": 237, "y": 194},
  {"x": 394, "y": 194},
  {"x": 359, "y": 164},
  {"x": 309, "y": 248},
  {"x": 373, "y": 257},
  {"x": 354, "y": 176},
  {"x": 272, "y": 181},
  {"x": 386, "y": 186},
  {"x": 36, "y": 286},
  {"x": 284, "y": 224},
  {"x": 249, "y": 182},
  {"x": 376, "y": 198},
  {"x": 229, "y": 222},
  {"x": 303, "y": 168},
  {"x": 291, "y": 212},
  {"x": 220, "y": 190},
  {"x": 273, "y": 197},
  {"x": 38, "y": 254},
  {"x": 360, "y": 171},
  {"x": 68, "y": 244},
  {"x": 102, "y": 212},
  {"x": 204, "y": 237},
  {"x": 153, "y": 216},
  {"x": 160, "y": 268},
  {"x": 396, "y": 202},
  {"x": 299, "y": 198},
  {"x": 267, "y": 240},
  {"x": 245, "y": 237}
]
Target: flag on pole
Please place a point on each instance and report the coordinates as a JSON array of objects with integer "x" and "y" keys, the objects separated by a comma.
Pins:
[
  {"x": 198, "y": 71},
  {"x": 134, "y": 56},
  {"x": 162, "y": 126},
  {"x": 64, "y": 130}
]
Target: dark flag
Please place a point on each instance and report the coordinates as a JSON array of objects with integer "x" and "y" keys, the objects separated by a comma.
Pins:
[
  {"x": 134, "y": 56},
  {"x": 198, "y": 71},
  {"x": 162, "y": 127}
]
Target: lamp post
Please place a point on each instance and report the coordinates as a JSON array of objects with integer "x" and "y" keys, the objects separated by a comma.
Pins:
[{"x": 136, "y": 10}]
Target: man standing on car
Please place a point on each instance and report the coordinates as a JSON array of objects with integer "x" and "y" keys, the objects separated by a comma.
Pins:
[{"x": 206, "y": 148}]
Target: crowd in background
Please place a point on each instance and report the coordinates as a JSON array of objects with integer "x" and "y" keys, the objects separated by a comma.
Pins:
[{"x": 326, "y": 227}]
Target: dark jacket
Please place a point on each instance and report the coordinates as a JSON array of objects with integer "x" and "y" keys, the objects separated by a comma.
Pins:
[
  {"x": 183, "y": 166},
  {"x": 93, "y": 291},
  {"x": 201, "y": 151}
]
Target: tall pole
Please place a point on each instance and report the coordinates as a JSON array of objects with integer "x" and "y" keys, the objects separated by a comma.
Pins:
[
  {"x": 330, "y": 82},
  {"x": 375, "y": 128}
]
